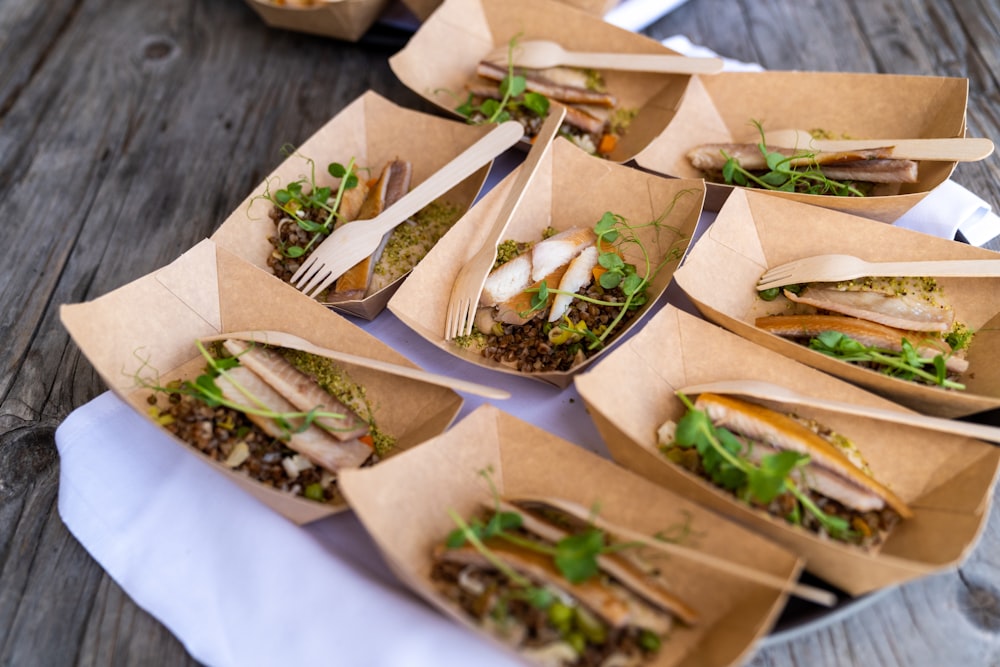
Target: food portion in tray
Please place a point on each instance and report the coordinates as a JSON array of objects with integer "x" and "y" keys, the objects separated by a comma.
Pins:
[
  {"x": 305, "y": 213},
  {"x": 856, "y": 173},
  {"x": 594, "y": 118},
  {"x": 553, "y": 302},
  {"x": 286, "y": 418},
  {"x": 902, "y": 327},
  {"x": 791, "y": 467},
  {"x": 555, "y": 587}
]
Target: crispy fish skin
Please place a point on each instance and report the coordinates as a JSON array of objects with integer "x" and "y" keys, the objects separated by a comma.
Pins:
[
  {"x": 782, "y": 432},
  {"x": 867, "y": 333},
  {"x": 908, "y": 311},
  {"x": 313, "y": 443},
  {"x": 298, "y": 389}
]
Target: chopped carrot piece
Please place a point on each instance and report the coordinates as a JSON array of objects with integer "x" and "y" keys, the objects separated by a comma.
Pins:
[
  {"x": 368, "y": 440},
  {"x": 607, "y": 144}
]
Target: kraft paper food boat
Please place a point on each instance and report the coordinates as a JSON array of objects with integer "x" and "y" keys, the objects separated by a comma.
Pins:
[
  {"x": 946, "y": 480},
  {"x": 569, "y": 189},
  {"x": 721, "y": 108},
  {"x": 525, "y": 461},
  {"x": 754, "y": 231},
  {"x": 474, "y": 28},
  {"x": 348, "y": 20},
  {"x": 373, "y": 131},
  {"x": 422, "y": 9},
  {"x": 149, "y": 328}
]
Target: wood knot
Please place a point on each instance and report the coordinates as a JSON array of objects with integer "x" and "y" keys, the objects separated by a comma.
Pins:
[
  {"x": 26, "y": 454},
  {"x": 158, "y": 48},
  {"x": 979, "y": 603}
]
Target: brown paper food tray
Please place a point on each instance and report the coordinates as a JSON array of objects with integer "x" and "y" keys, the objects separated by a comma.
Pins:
[
  {"x": 947, "y": 480},
  {"x": 473, "y": 28},
  {"x": 149, "y": 326},
  {"x": 526, "y": 461},
  {"x": 373, "y": 131},
  {"x": 570, "y": 189},
  {"x": 422, "y": 9},
  {"x": 720, "y": 108},
  {"x": 348, "y": 20},
  {"x": 755, "y": 230}
]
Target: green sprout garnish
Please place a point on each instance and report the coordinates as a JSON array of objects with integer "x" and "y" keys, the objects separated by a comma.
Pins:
[
  {"x": 312, "y": 207},
  {"x": 514, "y": 96},
  {"x": 907, "y": 364},
  {"x": 613, "y": 233},
  {"x": 782, "y": 176}
]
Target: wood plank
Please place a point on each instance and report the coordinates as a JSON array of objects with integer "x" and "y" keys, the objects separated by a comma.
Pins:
[{"x": 128, "y": 131}]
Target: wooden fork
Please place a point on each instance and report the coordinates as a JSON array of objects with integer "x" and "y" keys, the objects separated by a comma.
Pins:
[
  {"x": 351, "y": 243},
  {"x": 831, "y": 268},
  {"x": 542, "y": 54},
  {"x": 291, "y": 341},
  {"x": 958, "y": 149},
  {"x": 469, "y": 282}
]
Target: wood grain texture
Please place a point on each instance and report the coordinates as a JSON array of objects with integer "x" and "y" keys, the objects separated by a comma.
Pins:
[{"x": 128, "y": 131}]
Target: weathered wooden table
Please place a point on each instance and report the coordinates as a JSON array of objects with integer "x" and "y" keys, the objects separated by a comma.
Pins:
[{"x": 128, "y": 131}]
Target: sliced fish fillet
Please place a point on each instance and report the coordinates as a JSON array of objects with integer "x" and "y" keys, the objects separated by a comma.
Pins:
[
  {"x": 313, "y": 443},
  {"x": 557, "y": 250},
  {"x": 910, "y": 311},
  {"x": 299, "y": 389},
  {"x": 578, "y": 275}
]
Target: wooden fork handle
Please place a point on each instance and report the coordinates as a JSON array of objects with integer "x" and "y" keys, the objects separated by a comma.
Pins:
[
  {"x": 638, "y": 62},
  {"x": 958, "y": 149},
  {"x": 485, "y": 149},
  {"x": 970, "y": 268},
  {"x": 550, "y": 127}
]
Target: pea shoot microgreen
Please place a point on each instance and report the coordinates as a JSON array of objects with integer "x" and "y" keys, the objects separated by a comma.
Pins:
[
  {"x": 205, "y": 388},
  {"x": 783, "y": 175},
  {"x": 614, "y": 233},
  {"x": 515, "y": 98},
  {"x": 575, "y": 556},
  {"x": 314, "y": 208},
  {"x": 907, "y": 364},
  {"x": 724, "y": 458}
]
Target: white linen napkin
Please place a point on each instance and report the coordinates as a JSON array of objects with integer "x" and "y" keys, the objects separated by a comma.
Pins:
[
  {"x": 236, "y": 583},
  {"x": 239, "y": 585}
]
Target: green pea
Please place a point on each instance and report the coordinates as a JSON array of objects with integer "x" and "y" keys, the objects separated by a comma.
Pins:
[
  {"x": 649, "y": 641},
  {"x": 561, "y": 615},
  {"x": 314, "y": 492},
  {"x": 769, "y": 294}
]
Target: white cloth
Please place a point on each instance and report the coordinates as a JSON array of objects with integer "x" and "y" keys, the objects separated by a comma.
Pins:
[
  {"x": 239, "y": 585},
  {"x": 635, "y": 15}
]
